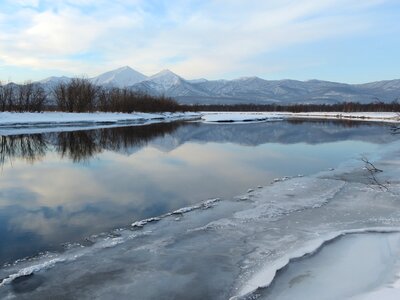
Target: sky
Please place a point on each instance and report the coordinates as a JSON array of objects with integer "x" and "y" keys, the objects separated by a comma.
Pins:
[{"x": 350, "y": 41}]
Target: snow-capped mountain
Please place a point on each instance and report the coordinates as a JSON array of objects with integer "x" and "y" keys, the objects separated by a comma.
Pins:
[
  {"x": 122, "y": 77},
  {"x": 243, "y": 90},
  {"x": 166, "y": 79},
  {"x": 55, "y": 80},
  {"x": 170, "y": 84},
  {"x": 51, "y": 82}
]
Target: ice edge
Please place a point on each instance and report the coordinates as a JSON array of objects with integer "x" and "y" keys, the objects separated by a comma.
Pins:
[{"x": 264, "y": 278}]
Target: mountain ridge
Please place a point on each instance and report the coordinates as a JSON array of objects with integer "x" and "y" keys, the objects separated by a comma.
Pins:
[{"x": 242, "y": 90}]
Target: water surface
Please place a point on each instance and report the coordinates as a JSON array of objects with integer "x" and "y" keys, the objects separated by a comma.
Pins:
[{"x": 62, "y": 187}]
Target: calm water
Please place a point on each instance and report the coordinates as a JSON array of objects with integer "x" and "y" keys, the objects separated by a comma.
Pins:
[{"x": 61, "y": 187}]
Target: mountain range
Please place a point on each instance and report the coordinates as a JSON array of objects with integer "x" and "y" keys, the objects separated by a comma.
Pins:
[{"x": 242, "y": 90}]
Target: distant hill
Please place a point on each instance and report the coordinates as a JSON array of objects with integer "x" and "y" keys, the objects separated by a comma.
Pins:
[{"x": 243, "y": 90}]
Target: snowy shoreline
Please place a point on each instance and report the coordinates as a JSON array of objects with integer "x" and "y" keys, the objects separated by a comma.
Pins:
[
  {"x": 244, "y": 117},
  {"x": 30, "y": 123},
  {"x": 26, "y": 119},
  {"x": 63, "y": 118}
]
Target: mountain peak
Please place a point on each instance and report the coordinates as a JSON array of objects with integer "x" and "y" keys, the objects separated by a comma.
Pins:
[
  {"x": 54, "y": 79},
  {"x": 166, "y": 79},
  {"x": 165, "y": 72},
  {"x": 124, "y": 68},
  {"x": 121, "y": 77},
  {"x": 247, "y": 78}
]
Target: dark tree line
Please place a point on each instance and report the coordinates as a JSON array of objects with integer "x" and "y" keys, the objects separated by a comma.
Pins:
[
  {"x": 26, "y": 97},
  {"x": 80, "y": 95},
  {"x": 377, "y": 106},
  {"x": 124, "y": 100}
]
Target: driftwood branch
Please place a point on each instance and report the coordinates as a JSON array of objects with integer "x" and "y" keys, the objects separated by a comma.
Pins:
[{"x": 372, "y": 170}]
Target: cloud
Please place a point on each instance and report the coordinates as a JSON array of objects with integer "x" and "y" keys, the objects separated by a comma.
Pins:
[{"x": 210, "y": 38}]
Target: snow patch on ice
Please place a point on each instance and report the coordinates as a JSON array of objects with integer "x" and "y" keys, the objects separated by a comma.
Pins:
[
  {"x": 273, "y": 202},
  {"x": 265, "y": 277}
]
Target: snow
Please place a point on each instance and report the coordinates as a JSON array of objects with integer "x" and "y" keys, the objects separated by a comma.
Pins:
[
  {"x": 18, "y": 123},
  {"x": 362, "y": 262},
  {"x": 362, "y": 265},
  {"x": 240, "y": 117},
  {"x": 356, "y": 116},
  {"x": 243, "y": 90},
  {"x": 122, "y": 77},
  {"x": 11, "y": 119},
  {"x": 166, "y": 79}
]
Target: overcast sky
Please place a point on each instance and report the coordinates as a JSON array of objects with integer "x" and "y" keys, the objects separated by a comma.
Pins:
[{"x": 338, "y": 40}]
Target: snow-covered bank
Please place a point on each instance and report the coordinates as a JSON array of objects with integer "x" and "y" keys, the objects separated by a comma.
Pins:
[
  {"x": 356, "y": 116},
  {"x": 341, "y": 268},
  {"x": 21, "y": 123},
  {"x": 10, "y": 121},
  {"x": 241, "y": 117},
  {"x": 367, "y": 265}
]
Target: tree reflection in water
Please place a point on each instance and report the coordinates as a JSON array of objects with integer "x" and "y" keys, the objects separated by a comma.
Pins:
[
  {"x": 30, "y": 147},
  {"x": 80, "y": 146}
]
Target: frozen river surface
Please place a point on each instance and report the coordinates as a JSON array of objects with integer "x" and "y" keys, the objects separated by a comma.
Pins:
[{"x": 294, "y": 235}]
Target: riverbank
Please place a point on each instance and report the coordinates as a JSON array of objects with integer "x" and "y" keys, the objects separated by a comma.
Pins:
[{"x": 236, "y": 117}]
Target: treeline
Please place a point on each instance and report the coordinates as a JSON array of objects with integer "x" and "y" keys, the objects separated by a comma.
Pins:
[
  {"x": 81, "y": 95},
  {"x": 377, "y": 106},
  {"x": 26, "y": 97}
]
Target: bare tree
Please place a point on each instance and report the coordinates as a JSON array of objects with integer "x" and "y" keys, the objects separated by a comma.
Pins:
[
  {"x": 30, "y": 97},
  {"x": 78, "y": 95},
  {"x": 39, "y": 98},
  {"x": 24, "y": 93},
  {"x": 6, "y": 97}
]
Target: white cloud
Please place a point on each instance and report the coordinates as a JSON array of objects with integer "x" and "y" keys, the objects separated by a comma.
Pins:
[{"x": 208, "y": 38}]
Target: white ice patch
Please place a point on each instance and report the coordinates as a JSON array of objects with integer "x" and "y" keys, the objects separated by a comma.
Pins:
[
  {"x": 51, "y": 259},
  {"x": 265, "y": 277},
  {"x": 239, "y": 117},
  {"x": 290, "y": 195}
]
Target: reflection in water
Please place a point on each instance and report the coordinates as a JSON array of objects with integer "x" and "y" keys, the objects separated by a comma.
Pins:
[
  {"x": 81, "y": 145},
  {"x": 145, "y": 171},
  {"x": 30, "y": 147},
  {"x": 345, "y": 123}
]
